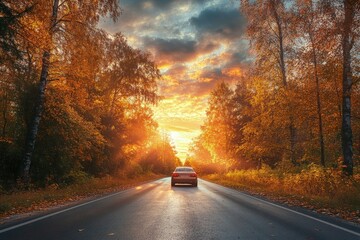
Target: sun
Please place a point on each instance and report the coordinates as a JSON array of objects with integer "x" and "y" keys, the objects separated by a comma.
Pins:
[{"x": 174, "y": 137}]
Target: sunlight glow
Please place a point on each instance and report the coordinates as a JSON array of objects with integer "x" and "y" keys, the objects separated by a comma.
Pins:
[{"x": 175, "y": 136}]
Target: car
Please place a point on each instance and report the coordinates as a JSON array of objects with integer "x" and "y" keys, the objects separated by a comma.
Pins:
[{"x": 184, "y": 175}]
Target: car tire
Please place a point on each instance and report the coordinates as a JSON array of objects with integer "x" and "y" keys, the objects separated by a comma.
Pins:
[
  {"x": 172, "y": 184},
  {"x": 195, "y": 184}
]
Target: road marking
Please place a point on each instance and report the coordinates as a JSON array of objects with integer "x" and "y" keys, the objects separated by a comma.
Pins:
[
  {"x": 293, "y": 211},
  {"x": 64, "y": 210}
]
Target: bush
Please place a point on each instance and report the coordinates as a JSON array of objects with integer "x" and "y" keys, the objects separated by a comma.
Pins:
[{"x": 75, "y": 177}]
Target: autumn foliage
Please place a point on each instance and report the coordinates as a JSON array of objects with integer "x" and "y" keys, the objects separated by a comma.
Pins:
[
  {"x": 293, "y": 105},
  {"x": 322, "y": 190},
  {"x": 90, "y": 113}
]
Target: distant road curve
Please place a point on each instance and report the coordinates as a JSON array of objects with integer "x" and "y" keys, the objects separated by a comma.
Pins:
[{"x": 156, "y": 210}]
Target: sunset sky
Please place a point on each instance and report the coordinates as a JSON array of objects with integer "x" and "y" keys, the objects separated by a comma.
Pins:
[{"x": 196, "y": 44}]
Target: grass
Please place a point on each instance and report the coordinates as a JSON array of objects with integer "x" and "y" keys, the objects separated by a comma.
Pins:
[
  {"x": 315, "y": 188},
  {"x": 40, "y": 199}
]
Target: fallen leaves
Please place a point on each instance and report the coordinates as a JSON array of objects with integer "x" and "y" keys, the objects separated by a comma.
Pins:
[
  {"x": 313, "y": 203},
  {"x": 27, "y": 203}
]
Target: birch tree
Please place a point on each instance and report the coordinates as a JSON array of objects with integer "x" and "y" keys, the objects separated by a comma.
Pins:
[
  {"x": 348, "y": 37},
  {"x": 56, "y": 18}
]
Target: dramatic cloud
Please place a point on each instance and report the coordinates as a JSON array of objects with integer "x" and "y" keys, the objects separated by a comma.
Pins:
[
  {"x": 177, "y": 50},
  {"x": 227, "y": 23},
  {"x": 159, "y": 5},
  {"x": 172, "y": 49},
  {"x": 196, "y": 45},
  {"x": 176, "y": 69}
]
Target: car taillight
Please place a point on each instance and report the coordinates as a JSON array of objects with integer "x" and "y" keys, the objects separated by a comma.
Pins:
[
  {"x": 175, "y": 174},
  {"x": 193, "y": 175}
]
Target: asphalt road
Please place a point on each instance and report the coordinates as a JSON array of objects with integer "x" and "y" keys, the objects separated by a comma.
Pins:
[{"x": 157, "y": 211}]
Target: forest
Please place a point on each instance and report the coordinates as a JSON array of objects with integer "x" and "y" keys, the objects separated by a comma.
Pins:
[
  {"x": 298, "y": 105},
  {"x": 75, "y": 101}
]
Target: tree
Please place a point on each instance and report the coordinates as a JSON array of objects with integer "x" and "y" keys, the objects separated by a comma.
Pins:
[
  {"x": 242, "y": 116},
  {"x": 264, "y": 134},
  {"x": 57, "y": 18},
  {"x": 159, "y": 156},
  {"x": 311, "y": 27},
  {"x": 130, "y": 73},
  {"x": 269, "y": 35},
  {"x": 10, "y": 26},
  {"x": 94, "y": 99},
  {"x": 351, "y": 8},
  {"x": 344, "y": 15},
  {"x": 200, "y": 157},
  {"x": 217, "y": 128}
]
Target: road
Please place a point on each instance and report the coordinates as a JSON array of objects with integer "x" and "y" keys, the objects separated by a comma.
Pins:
[{"x": 157, "y": 211}]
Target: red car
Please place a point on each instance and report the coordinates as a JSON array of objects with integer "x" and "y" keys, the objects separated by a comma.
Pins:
[{"x": 184, "y": 175}]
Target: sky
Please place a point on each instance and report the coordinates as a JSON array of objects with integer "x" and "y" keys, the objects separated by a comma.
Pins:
[{"x": 196, "y": 44}]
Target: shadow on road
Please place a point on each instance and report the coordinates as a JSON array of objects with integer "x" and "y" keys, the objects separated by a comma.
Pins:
[{"x": 184, "y": 188}]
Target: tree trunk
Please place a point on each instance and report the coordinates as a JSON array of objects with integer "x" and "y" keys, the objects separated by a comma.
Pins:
[
  {"x": 4, "y": 113},
  {"x": 292, "y": 140},
  {"x": 281, "y": 43},
  {"x": 292, "y": 129},
  {"x": 346, "y": 132},
  {"x": 39, "y": 105},
  {"x": 318, "y": 101}
]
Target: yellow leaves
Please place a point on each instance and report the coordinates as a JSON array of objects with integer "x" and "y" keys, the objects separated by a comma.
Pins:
[
  {"x": 36, "y": 31},
  {"x": 314, "y": 181},
  {"x": 130, "y": 149}
]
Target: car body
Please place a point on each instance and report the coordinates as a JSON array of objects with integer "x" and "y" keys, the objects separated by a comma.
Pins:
[{"x": 184, "y": 175}]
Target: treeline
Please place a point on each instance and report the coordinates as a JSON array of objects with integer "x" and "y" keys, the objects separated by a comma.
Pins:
[
  {"x": 74, "y": 100},
  {"x": 299, "y": 103}
]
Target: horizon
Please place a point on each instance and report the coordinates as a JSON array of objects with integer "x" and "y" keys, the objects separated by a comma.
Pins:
[{"x": 196, "y": 45}]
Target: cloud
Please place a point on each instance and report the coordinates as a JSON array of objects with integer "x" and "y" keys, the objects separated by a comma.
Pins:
[
  {"x": 176, "y": 70},
  {"x": 195, "y": 88},
  {"x": 181, "y": 124},
  {"x": 196, "y": 44},
  {"x": 226, "y": 23},
  {"x": 161, "y": 4},
  {"x": 147, "y": 6},
  {"x": 177, "y": 50},
  {"x": 199, "y": 76},
  {"x": 151, "y": 18},
  {"x": 192, "y": 89},
  {"x": 239, "y": 57},
  {"x": 210, "y": 73}
]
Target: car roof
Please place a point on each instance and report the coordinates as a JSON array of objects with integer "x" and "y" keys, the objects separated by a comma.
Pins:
[{"x": 184, "y": 169}]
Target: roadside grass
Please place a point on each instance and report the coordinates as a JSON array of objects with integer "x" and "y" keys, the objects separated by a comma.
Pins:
[
  {"x": 20, "y": 202},
  {"x": 315, "y": 188}
]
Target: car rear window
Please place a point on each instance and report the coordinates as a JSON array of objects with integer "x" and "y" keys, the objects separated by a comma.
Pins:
[{"x": 184, "y": 170}]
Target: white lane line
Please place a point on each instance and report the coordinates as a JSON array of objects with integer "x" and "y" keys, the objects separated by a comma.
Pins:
[
  {"x": 55, "y": 213},
  {"x": 290, "y": 210},
  {"x": 65, "y": 210}
]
